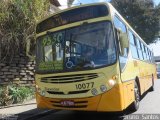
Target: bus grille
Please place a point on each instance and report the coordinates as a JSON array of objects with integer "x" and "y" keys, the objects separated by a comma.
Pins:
[
  {"x": 77, "y": 104},
  {"x": 69, "y": 93},
  {"x": 69, "y": 78}
]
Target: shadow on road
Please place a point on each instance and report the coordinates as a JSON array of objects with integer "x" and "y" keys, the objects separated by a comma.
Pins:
[
  {"x": 27, "y": 115},
  {"x": 37, "y": 114},
  {"x": 100, "y": 116},
  {"x": 34, "y": 114},
  {"x": 74, "y": 115}
]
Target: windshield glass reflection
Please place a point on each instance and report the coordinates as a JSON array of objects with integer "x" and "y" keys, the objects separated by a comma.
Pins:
[{"x": 87, "y": 46}]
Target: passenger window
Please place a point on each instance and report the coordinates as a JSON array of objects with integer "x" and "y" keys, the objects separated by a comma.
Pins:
[
  {"x": 138, "y": 43},
  {"x": 139, "y": 49},
  {"x": 144, "y": 52},
  {"x": 131, "y": 38},
  {"x": 133, "y": 47},
  {"x": 150, "y": 57},
  {"x": 142, "y": 49}
]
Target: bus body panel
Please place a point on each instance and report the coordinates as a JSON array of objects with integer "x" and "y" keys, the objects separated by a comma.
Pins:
[
  {"x": 140, "y": 69},
  {"x": 118, "y": 98}
]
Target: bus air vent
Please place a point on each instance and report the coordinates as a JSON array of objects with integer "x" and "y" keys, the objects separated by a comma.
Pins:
[
  {"x": 71, "y": 92},
  {"x": 69, "y": 78}
]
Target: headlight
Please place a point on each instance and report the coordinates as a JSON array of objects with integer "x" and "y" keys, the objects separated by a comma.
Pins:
[
  {"x": 38, "y": 89},
  {"x": 111, "y": 82}
]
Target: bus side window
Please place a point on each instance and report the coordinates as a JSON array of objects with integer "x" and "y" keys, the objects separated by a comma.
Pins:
[
  {"x": 150, "y": 58},
  {"x": 133, "y": 45},
  {"x": 142, "y": 49},
  {"x": 139, "y": 49},
  {"x": 120, "y": 25}
]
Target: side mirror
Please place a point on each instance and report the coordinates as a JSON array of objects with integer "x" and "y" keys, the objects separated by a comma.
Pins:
[{"x": 123, "y": 39}]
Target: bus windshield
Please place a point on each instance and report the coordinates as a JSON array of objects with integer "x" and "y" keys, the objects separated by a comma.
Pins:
[{"x": 83, "y": 47}]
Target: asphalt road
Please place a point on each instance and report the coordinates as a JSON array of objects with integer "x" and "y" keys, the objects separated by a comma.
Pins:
[{"x": 150, "y": 104}]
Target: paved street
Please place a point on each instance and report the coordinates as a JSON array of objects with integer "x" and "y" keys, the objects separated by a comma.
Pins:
[{"x": 149, "y": 104}]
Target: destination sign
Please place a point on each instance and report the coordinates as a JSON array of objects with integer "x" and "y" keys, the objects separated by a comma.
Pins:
[{"x": 71, "y": 16}]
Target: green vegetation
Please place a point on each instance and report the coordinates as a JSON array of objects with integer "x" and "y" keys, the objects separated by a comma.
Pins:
[
  {"x": 13, "y": 94},
  {"x": 142, "y": 15},
  {"x": 18, "y": 21}
]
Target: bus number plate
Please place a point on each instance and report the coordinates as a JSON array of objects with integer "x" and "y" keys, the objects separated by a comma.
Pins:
[
  {"x": 84, "y": 85},
  {"x": 67, "y": 103}
]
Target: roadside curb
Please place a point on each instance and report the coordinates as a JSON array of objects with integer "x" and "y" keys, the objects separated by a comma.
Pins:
[
  {"x": 39, "y": 115},
  {"x": 20, "y": 104},
  {"x": 15, "y": 105}
]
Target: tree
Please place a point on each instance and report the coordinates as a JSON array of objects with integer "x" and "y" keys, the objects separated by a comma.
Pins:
[
  {"x": 17, "y": 24},
  {"x": 158, "y": 16},
  {"x": 141, "y": 15}
]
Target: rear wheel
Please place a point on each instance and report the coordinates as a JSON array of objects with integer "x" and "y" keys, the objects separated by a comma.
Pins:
[
  {"x": 152, "y": 87},
  {"x": 135, "y": 104}
]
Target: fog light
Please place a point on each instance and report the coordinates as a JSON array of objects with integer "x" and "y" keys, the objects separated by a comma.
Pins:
[
  {"x": 94, "y": 91},
  {"x": 112, "y": 82},
  {"x": 103, "y": 88},
  {"x": 43, "y": 93}
]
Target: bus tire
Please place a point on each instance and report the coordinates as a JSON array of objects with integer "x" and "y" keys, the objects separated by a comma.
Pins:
[
  {"x": 152, "y": 87},
  {"x": 135, "y": 104}
]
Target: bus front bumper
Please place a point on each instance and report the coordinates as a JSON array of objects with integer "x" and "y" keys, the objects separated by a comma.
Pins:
[{"x": 111, "y": 101}]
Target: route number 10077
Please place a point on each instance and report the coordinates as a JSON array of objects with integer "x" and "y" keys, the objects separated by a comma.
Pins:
[{"x": 84, "y": 85}]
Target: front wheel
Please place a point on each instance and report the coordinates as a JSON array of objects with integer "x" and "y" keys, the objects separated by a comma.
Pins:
[{"x": 135, "y": 104}]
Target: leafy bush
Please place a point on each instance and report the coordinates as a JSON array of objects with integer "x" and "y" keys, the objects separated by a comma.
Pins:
[
  {"x": 5, "y": 98},
  {"x": 15, "y": 94},
  {"x": 19, "y": 94},
  {"x": 1, "y": 89}
]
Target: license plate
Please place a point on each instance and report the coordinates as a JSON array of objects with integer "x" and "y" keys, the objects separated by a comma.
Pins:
[{"x": 67, "y": 103}]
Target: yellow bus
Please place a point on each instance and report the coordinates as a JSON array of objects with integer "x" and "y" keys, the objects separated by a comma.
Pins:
[{"x": 89, "y": 58}]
